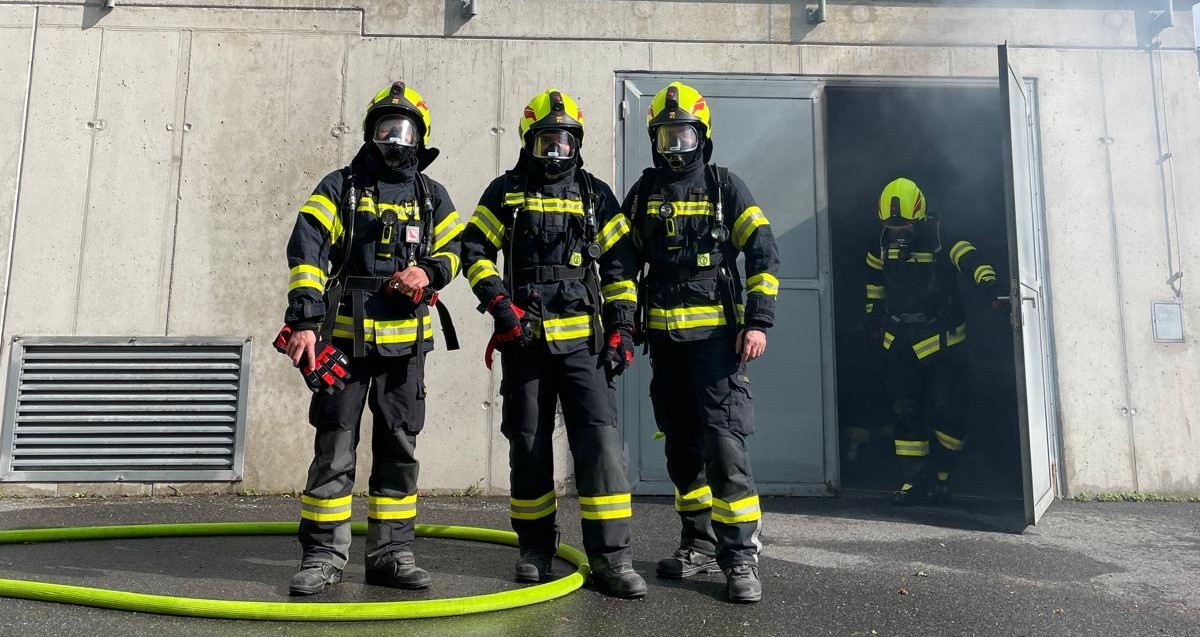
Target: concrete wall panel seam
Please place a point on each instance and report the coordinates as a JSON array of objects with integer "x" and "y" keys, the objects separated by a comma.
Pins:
[{"x": 12, "y": 230}]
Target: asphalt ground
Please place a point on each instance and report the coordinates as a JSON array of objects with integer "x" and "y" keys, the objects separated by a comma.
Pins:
[{"x": 848, "y": 566}]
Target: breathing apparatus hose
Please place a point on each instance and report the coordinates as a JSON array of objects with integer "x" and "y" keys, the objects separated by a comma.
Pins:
[{"x": 279, "y": 611}]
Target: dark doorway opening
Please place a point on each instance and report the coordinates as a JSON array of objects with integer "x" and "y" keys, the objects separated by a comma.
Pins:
[{"x": 948, "y": 140}]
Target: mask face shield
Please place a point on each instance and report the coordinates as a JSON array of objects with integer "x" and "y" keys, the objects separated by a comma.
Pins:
[
  {"x": 676, "y": 139},
  {"x": 901, "y": 232},
  {"x": 554, "y": 144},
  {"x": 396, "y": 130}
]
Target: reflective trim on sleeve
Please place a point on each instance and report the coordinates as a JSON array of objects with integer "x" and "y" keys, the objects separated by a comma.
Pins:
[
  {"x": 764, "y": 283},
  {"x": 322, "y": 209},
  {"x": 694, "y": 500},
  {"x": 489, "y": 225},
  {"x": 876, "y": 292},
  {"x": 481, "y": 270},
  {"x": 870, "y": 308},
  {"x": 985, "y": 272},
  {"x": 616, "y": 228},
  {"x": 912, "y": 448},
  {"x": 534, "y": 509},
  {"x": 750, "y": 219},
  {"x": 619, "y": 291},
  {"x": 451, "y": 259},
  {"x": 605, "y": 507},
  {"x": 874, "y": 261},
  {"x": 447, "y": 230},
  {"x": 737, "y": 512},
  {"x": 319, "y": 510},
  {"x": 958, "y": 251},
  {"x": 888, "y": 338},
  {"x": 957, "y": 335},
  {"x": 385, "y": 508},
  {"x": 307, "y": 276}
]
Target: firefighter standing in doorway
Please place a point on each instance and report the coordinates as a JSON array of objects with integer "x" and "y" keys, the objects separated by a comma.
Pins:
[
  {"x": 567, "y": 282},
  {"x": 369, "y": 250},
  {"x": 914, "y": 308},
  {"x": 691, "y": 220}
]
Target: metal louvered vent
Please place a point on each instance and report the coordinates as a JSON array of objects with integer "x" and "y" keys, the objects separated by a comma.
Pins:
[{"x": 80, "y": 409}]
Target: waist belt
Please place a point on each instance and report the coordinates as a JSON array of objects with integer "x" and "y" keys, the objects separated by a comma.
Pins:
[
  {"x": 366, "y": 283},
  {"x": 357, "y": 285},
  {"x": 551, "y": 273},
  {"x": 682, "y": 273},
  {"x": 913, "y": 319}
]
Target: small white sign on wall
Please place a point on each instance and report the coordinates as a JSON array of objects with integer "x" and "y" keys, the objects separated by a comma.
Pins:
[{"x": 1168, "y": 322}]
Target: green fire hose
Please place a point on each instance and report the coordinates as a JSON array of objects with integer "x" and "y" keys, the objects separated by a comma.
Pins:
[{"x": 279, "y": 611}]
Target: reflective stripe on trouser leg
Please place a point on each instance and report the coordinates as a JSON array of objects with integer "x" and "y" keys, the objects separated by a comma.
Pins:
[
  {"x": 589, "y": 409},
  {"x": 907, "y": 379},
  {"x": 397, "y": 404},
  {"x": 528, "y": 418},
  {"x": 947, "y": 387},
  {"x": 325, "y": 506},
  {"x": 736, "y": 516},
  {"x": 678, "y": 416}
]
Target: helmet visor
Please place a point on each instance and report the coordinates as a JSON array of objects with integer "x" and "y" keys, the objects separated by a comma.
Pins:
[
  {"x": 397, "y": 129},
  {"x": 676, "y": 138},
  {"x": 554, "y": 144}
]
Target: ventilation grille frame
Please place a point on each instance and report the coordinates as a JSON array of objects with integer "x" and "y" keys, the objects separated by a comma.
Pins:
[{"x": 125, "y": 409}]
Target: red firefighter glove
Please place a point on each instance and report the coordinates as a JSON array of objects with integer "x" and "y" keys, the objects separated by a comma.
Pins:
[
  {"x": 281, "y": 339},
  {"x": 330, "y": 371},
  {"x": 618, "y": 351}
]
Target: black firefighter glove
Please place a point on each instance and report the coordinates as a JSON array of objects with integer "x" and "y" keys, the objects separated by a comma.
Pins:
[
  {"x": 329, "y": 372},
  {"x": 508, "y": 329},
  {"x": 618, "y": 351}
]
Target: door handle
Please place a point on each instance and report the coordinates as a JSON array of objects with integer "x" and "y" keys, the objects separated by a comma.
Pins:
[{"x": 1032, "y": 299}]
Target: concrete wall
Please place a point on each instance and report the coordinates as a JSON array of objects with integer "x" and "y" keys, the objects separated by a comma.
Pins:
[{"x": 170, "y": 218}]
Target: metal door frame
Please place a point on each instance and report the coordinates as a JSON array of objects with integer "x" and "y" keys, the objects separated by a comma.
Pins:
[
  {"x": 824, "y": 285},
  {"x": 829, "y": 375}
]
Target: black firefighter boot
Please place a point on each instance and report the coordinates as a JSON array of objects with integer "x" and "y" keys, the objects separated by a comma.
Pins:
[
  {"x": 618, "y": 580},
  {"x": 398, "y": 570},
  {"x": 686, "y": 561},
  {"x": 742, "y": 585},
  {"x": 313, "y": 577},
  {"x": 534, "y": 565}
]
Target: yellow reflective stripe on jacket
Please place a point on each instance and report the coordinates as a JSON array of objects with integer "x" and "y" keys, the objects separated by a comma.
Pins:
[
  {"x": 958, "y": 251},
  {"x": 985, "y": 272},
  {"x": 385, "y": 508},
  {"x": 682, "y": 208},
  {"x": 544, "y": 205},
  {"x": 616, "y": 228},
  {"x": 913, "y": 257},
  {"x": 928, "y": 347},
  {"x": 682, "y": 318},
  {"x": 452, "y": 260},
  {"x": 322, "y": 209},
  {"x": 605, "y": 507},
  {"x": 737, "y": 512},
  {"x": 534, "y": 509},
  {"x": 567, "y": 328},
  {"x": 307, "y": 276},
  {"x": 383, "y": 332},
  {"x": 870, "y": 308},
  {"x": 950, "y": 442},
  {"x": 405, "y": 211},
  {"x": 694, "y": 500},
  {"x": 764, "y": 283},
  {"x": 912, "y": 448},
  {"x": 957, "y": 335},
  {"x": 489, "y": 225},
  {"x": 320, "y": 510},
  {"x": 874, "y": 261},
  {"x": 876, "y": 292},
  {"x": 888, "y": 338},
  {"x": 446, "y": 231},
  {"x": 745, "y": 225},
  {"x": 619, "y": 291},
  {"x": 481, "y": 270}
]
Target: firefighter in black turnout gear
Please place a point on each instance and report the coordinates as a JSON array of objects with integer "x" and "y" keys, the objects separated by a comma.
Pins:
[
  {"x": 370, "y": 249},
  {"x": 692, "y": 219},
  {"x": 914, "y": 308},
  {"x": 562, "y": 303}
]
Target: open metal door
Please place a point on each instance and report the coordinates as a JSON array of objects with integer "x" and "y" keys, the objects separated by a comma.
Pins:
[{"x": 1031, "y": 343}]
